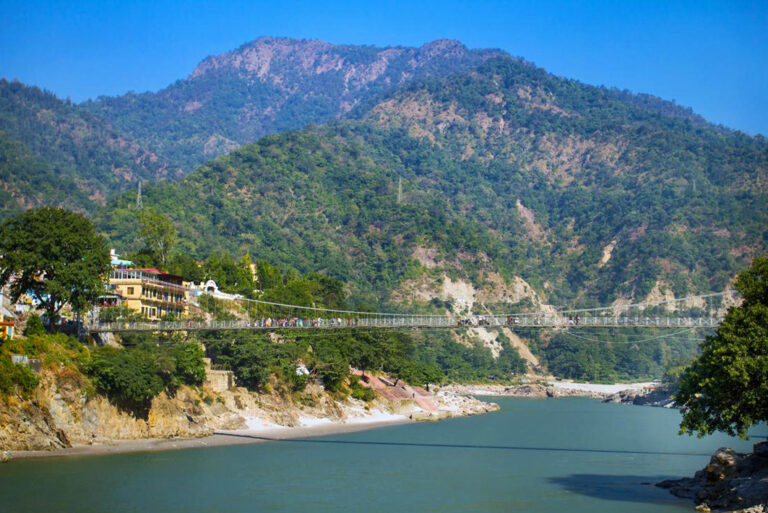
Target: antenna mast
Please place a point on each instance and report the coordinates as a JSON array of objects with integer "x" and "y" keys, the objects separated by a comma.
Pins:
[{"x": 138, "y": 197}]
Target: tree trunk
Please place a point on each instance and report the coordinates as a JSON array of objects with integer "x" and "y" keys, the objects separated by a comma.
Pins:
[{"x": 51, "y": 311}]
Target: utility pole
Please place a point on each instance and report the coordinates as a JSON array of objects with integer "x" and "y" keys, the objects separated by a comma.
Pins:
[
  {"x": 138, "y": 197},
  {"x": 399, "y": 189}
]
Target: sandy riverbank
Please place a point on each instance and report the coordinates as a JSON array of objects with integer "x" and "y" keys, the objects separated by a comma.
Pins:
[{"x": 257, "y": 432}]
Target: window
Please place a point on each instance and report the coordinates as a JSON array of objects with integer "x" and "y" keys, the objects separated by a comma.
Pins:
[{"x": 130, "y": 291}]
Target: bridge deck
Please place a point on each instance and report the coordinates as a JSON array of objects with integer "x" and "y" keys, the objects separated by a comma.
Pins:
[{"x": 410, "y": 322}]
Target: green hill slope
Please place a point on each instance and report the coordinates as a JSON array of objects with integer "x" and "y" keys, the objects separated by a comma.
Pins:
[{"x": 54, "y": 153}]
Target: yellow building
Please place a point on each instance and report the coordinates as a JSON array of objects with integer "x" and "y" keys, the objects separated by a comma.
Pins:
[{"x": 151, "y": 292}]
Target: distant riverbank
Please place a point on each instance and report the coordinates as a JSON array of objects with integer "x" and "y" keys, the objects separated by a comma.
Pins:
[{"x": 549, "y": 389}]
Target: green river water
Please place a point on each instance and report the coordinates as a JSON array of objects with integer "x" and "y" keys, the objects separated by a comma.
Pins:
[{"x": 559, "y": 455}]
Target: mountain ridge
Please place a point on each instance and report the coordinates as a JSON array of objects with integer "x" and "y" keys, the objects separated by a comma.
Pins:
[{"x": 270, "y": 85}]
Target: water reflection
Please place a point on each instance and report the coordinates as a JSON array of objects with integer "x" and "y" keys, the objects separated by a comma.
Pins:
[{"x": 625, "y": 488}]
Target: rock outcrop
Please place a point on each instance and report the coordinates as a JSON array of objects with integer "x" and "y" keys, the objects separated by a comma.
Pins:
[
  {"x": 659, "y": 397},
  {"x": 730, "y": 482},
  {"x": 65, "y": 412},
  {"x": 531, "y": 390}
]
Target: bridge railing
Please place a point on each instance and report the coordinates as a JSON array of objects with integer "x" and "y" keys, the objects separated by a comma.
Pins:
[{"x": 412, "y": 321}]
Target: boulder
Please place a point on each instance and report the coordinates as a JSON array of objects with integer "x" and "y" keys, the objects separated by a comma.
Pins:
[{"x": 730, "y": 482}]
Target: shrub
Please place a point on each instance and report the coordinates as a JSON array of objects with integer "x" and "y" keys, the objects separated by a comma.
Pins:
[
  {"x": 359, "y": 391},
  {"x": 17, "y": 379},
  {"x": 34, "y": 326},
  {"x": 132, "y": 377},
  {"x": 129, "y": 377}
]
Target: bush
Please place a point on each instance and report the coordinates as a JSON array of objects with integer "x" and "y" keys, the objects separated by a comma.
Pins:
[
  {"x": 129, "y": 377},
  {"x": 359, "y": 391},
  {"x": 190, "y": 368},
  {"x": 34, "y": 326},
  {"x": 333, "y": 374},
  {"x": 17, "y": 379},
  {"x": 132, "y": 377}
]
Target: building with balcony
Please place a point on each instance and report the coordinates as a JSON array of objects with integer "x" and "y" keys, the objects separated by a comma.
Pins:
[{"x": 151, "y": 292}]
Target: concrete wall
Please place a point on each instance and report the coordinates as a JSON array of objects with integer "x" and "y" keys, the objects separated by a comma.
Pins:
[{"x": 220, "y": 380}]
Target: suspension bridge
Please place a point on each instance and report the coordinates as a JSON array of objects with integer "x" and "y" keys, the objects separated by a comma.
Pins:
[{"x": 256, "y": 315}]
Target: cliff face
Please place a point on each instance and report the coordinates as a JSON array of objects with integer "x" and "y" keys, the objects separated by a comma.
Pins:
[{"x": 64, "y": 412}]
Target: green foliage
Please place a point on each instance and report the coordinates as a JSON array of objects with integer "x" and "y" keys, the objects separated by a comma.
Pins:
[
  {"x": 58, "y": 353},
  {"x": 439, "y": 354},
  {"x": 185, "y": 266},
  {"x": 325, "y": 199},
  {"x": 190, "y": 368},
  {"x": 726, "y": 389},
  {"x": 34, "y": 326},
  {"x": 132, "y": 377},
  {"x": 615, "y": 355},
  {"x": 55, "y": 254},
  {"x": 16, "y": 379},
  {"x": 269, "y": 276},
  {"x": 359, "y": 391},
  {"x": 158, "y": 233},
  {"x": 333, "y": 373},
  {"x": 53, "y": 152},
  {"x": 229, "y": 275}
]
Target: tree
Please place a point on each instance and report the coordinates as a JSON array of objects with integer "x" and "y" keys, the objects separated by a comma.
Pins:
[
  {"x": 158, "y": 232},
  {"x": 56, "y": 255},
  {"x": 726, "y": 389}
]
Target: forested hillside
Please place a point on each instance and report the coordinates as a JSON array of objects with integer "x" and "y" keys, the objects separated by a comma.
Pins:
[
  {"x": 54, "y": 153},
  {"x": 271, "y": 85},
  {"x": 586, "y": 193},
  {"x": 615, "y": 191}
]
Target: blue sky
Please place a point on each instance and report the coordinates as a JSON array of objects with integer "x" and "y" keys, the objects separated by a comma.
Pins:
[{"x": 711, "y": 56}]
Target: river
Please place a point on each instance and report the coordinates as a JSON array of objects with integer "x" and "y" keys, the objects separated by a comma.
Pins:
[{"x": 575, "y": 455}]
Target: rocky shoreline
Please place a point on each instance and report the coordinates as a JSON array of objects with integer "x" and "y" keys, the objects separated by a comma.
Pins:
[
  {"x": 541, "y": 390},
  {"x": 64, "y": 418},
  {"x": 660, "y": 398},
  {"x": 731, "y": 482}
]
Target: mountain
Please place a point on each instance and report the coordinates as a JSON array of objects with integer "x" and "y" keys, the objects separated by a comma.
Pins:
[
  {"x": 508, "y": 173},
  {"x": 271, "y": 85},
  {"x": 52, "y": 152},
  {"x": 616, "y": 191}
]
